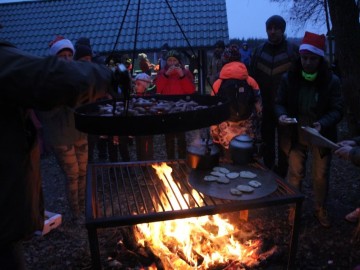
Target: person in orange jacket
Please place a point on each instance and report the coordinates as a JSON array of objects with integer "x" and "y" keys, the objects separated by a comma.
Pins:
[{"x": 250, "y": 124}]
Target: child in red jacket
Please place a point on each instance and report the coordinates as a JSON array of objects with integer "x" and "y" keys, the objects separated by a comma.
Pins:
[{"x": 174, "y": 79}]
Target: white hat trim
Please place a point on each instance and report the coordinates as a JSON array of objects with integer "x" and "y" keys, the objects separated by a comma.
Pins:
[
  {"x": 60, "y": 45},
  {"x": 312, "y": 49}
]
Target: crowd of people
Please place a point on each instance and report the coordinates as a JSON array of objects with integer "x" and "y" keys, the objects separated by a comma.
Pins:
[
  {"x": 269, "y": 85},
  {"x": 294, "y": 82},
  {"x": 288, "y": 82}
]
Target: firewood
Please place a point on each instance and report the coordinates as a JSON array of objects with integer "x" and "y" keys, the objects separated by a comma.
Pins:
[
  {"x": 129, "y": 237},
  {"x": 219, "y": 266},
  {"x": 172, "y": 244},
  {"x": 156, "y": 259},
  {"x": 271, "y": 252}
]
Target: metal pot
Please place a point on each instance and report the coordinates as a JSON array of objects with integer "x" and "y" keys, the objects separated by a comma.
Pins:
[
  {"x": 203, "y": 155},
  {"x": 242, "y": 149}
]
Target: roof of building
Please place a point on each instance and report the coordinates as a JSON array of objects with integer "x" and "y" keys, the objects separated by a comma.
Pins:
[{"x": 31, "y": 25}]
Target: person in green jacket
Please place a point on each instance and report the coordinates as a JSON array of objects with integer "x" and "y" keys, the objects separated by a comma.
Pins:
[{"x": 310, "y": 93}]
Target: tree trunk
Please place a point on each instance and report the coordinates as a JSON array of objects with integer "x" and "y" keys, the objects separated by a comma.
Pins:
[{"x": 345, "y": 20}]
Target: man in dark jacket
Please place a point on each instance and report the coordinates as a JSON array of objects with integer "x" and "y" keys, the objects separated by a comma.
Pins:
[
  {"x": 311, "y": 94},
  {"x": 268, "y": 63},
  {"x": 29, "y": 82}
]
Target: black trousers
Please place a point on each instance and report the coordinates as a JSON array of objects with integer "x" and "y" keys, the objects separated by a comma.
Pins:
[
  {"x": 271, "y": 150},
  {"x": 144, "y": 147},
  {"x": 119, "y": 150}
]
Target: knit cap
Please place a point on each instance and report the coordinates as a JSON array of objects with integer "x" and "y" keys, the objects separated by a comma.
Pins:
[
  {"x": 277, "y": 21},
  {"x": 83, "y": 41},
  {"x": 142, "y": 56},
  {"x": 231, "y": 54},
  {"x": 220, "y": 44},
  {"x": 60, "y": 43},
  {"x": 174, "y": 54},
  {"x": 81, "y": 51}
]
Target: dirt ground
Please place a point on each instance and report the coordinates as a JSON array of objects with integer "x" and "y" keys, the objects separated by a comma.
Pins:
[{"x": 67, "y": 247}]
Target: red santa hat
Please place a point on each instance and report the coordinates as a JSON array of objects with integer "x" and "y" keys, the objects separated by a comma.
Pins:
[
  {"x": 313, "y": 43},
  {"x": 60, "y": 43}
]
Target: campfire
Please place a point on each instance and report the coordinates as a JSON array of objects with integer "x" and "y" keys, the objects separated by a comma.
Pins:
[{"x": 207, "y": 242}]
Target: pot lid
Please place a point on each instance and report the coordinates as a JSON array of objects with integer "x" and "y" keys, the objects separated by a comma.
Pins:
[
  {"x": 243, "y": 138},
  {"x": 203, "y": 150}
]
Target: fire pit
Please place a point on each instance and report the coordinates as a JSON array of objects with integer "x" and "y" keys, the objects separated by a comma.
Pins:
[{"x": 126, "y": 194}]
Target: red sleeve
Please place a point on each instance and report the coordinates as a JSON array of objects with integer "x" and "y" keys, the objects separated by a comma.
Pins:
[
  {"x": 187, "y": 83},
  {"x": 160, "y": 82}
]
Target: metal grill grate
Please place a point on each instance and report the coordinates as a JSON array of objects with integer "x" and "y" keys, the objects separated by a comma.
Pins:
[
  {"x": 124, "y": 194},
  {"x": 132, "y": 193}
]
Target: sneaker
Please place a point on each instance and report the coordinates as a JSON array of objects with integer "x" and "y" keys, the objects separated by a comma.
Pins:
[
  {"x": 322, "y": 216},
  {"x": 354, "y": 216}
]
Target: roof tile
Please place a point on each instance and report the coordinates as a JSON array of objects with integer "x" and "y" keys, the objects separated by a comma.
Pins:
[{"x": 203, "y": 22}]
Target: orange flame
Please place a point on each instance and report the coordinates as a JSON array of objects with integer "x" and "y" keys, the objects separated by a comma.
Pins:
[{"x": 208, "y": 237}]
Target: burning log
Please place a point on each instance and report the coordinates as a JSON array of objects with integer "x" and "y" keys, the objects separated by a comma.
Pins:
[
  {"x": 267, "y": 254},
  {"x": 156, "y": 260},
  {"x": 134, "y": 253},
  {"x": 123, "y": 254},
  {"x": 128, "y": 237},
  {"x": 196, "y": 259},
  {"x": 221, "y": 266}
]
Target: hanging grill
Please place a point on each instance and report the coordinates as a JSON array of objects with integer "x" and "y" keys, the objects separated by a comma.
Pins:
[{"x": 209, "y": 111}]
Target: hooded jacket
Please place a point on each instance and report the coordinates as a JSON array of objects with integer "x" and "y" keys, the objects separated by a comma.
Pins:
[
  {"x": 268, "y": 63},
  {"x": 30, "y": 82},
  {"x": 234, "y": 70},
  {"x": 173, "y": 85}
]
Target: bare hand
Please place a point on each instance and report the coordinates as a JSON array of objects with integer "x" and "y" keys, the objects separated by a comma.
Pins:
[
  {"x": 343, "y": 152},
  {"x": 180, "y": 71},
  {"x": 174, "y": 70},
  {"x": 347, "y": 143},
  {"x": 282, "y": 119},
  {"x": 317, "y": 126},
  {"x": 285, "y": 120}
]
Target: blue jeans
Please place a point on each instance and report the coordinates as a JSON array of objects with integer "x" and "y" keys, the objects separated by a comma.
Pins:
[{"x": 320, "y": 169}]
